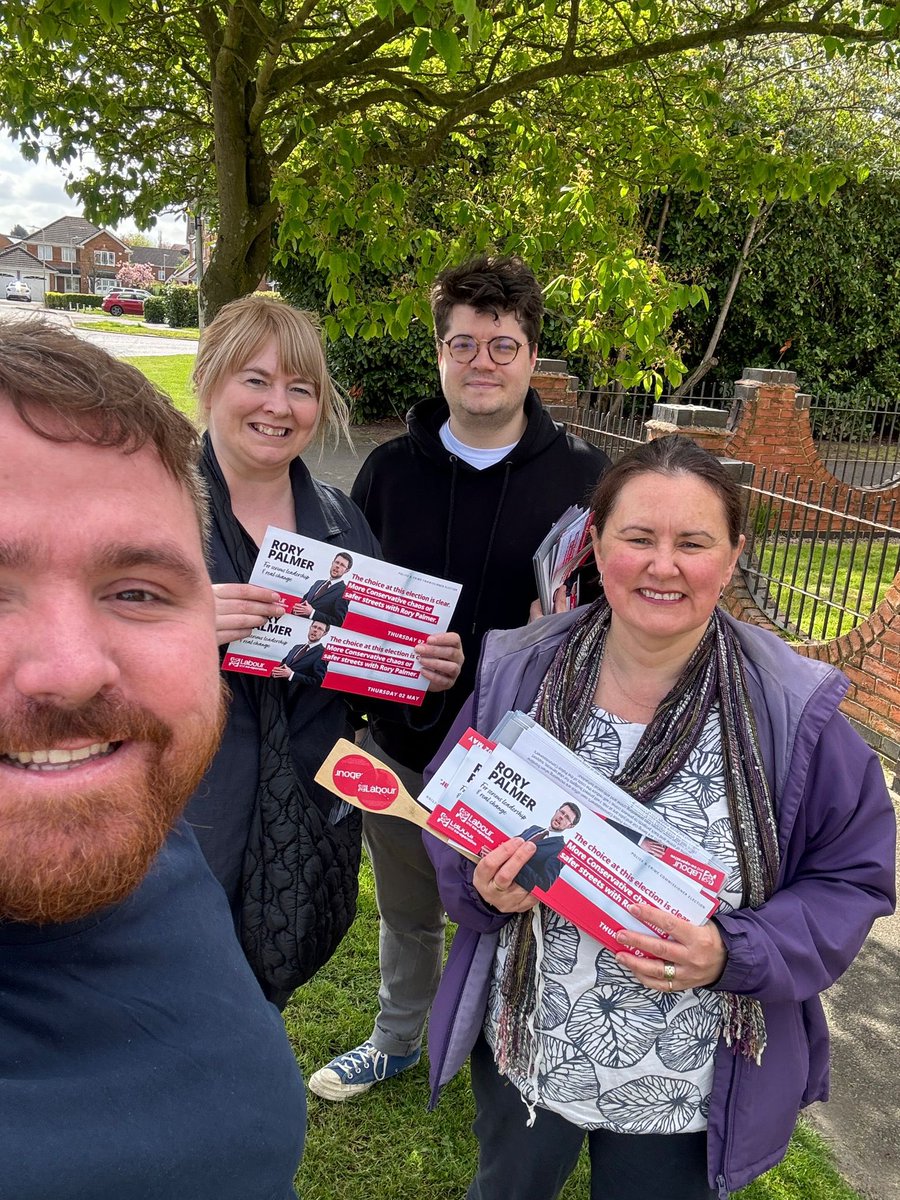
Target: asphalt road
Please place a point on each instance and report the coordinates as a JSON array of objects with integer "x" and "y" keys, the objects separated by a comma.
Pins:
[{"x": 121, "y": 345}]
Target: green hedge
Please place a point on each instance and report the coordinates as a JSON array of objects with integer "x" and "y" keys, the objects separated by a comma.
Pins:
[
  {"x": 182, "y": 306},
  {"x": 155, "y": 310},
  {"x": 72, "y": 300}
]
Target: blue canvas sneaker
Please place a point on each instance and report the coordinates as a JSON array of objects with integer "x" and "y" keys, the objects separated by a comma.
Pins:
[{"x": 355, "y": 1072}]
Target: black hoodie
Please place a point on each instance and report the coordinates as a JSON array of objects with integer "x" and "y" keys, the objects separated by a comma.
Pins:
[{"x": 434, "y": 513}]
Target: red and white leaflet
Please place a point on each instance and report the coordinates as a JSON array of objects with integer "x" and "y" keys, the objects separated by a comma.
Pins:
[
  {"x": 350, "y": 662},
  {"x": 456, "y": 764},
  {"x": 565, "y": 548},
  {"x": 547, "y": 754},
  {"x": 380, "y": 600},
  {"x": 351, "y": 623},
  {"x": 599, "y": 871}
]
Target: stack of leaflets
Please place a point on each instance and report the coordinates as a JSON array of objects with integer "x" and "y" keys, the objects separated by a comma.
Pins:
[
  {"x": 563, "y": 550},
  {"x": 598, "y": 849},
  {"x": 351, "y": 622}
]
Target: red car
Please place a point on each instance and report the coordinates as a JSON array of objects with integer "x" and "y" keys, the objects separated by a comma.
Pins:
[{"x": 125, "y": 300}]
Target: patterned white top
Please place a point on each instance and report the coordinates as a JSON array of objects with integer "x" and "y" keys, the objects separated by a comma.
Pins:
[{"x": 612, "y": 1054}]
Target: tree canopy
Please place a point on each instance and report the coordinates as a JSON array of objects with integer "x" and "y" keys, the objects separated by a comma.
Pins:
[{"x": 389, "y": 136}]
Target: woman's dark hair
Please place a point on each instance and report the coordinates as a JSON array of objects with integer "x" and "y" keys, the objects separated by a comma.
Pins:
[
  {"x": 492, "y": 285},
  {"x": 672, "y": 455}
]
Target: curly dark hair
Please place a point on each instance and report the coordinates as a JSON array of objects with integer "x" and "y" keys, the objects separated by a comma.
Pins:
[{"x": 490, "y": 284}]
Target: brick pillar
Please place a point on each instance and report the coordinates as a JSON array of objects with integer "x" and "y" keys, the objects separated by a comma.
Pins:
[
  {"x": 705, "y": 426},
  {"x": 557, "y": 389},
  {"x": 765, "y": 426}
]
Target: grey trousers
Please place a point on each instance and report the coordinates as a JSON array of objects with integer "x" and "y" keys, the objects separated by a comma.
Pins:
[{"x": 411, "y": 937}]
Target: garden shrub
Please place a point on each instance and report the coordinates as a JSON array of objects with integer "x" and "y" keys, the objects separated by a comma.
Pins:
[
  {"x": 182, "y": 306},
  {"x": 72, "y": 300},
  {"x": 155, "y": 310}
]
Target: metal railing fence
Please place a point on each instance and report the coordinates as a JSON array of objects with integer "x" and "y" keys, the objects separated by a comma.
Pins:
[
  {"x": 814, "y": 567},
  {"x": 613, "y": 404},
  {"x": 811, "y": 564},
  {"x": 859, "y": 444},
  {"x": 614, "y": 435}
]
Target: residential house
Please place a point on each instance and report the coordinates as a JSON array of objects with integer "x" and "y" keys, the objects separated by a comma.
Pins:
[
  {"x": 163, "y": 259},
  {"x": 17, "y": 263},
  {"x": 78, "y": 256}
]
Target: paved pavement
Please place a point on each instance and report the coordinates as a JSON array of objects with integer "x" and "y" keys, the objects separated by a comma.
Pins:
[{"x": 863, "y": 1007}]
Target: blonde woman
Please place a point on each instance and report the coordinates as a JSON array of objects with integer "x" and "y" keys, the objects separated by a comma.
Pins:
[{"x": 285, "y": 853}]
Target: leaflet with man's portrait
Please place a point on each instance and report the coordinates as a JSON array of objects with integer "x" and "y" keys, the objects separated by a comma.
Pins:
[{"x": 351, "y": 621}]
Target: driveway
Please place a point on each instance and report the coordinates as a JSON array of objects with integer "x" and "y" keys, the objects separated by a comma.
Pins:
[{"x": 120, "y": 345}]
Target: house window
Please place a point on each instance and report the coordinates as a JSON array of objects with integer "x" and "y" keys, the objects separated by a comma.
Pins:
[
  {"x": 104, "y": 286},
  {"x": 45, "y": 253},
  {"x": 68, "y": 254},
  {"x": 71, "y": 283},
  {"x": 161, "y": 274},
  {"x": 104, "y": 258}
]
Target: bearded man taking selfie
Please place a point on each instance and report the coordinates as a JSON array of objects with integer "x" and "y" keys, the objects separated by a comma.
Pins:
[{"x": 138, "y": 1057}]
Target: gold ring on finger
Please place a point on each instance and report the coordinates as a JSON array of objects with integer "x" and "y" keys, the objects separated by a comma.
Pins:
[{"x": 669, "y": 971}]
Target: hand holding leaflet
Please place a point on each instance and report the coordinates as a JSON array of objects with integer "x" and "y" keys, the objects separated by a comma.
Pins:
[
  {"x": 381, "y": 630},
  {"x": 581, "y": 865},
  {"x": 562, "y": 551}
]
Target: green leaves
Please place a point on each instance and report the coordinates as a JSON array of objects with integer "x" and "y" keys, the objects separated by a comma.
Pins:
[
  {"x": 420, "y": 48},
  {"x": 446, "y": 43}
]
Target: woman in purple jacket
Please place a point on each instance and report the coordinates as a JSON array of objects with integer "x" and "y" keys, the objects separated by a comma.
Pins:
[{"x": 685, "y": 1071}]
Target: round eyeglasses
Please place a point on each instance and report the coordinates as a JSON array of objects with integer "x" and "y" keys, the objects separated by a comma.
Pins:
[{"x": 464, "y": 349}]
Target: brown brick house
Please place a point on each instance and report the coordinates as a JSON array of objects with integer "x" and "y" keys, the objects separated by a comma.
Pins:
[{"x": 78, "y": 256}]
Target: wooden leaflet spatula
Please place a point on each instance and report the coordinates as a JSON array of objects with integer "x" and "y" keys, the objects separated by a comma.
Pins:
[{"x": 365, "y": 782}]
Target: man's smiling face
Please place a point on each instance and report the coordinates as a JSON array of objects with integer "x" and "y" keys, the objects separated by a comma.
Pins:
[{"x": 110, "y": 702}]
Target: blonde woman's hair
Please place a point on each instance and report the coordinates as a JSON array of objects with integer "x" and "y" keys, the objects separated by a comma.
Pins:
[{"x": 242, "y": 327}]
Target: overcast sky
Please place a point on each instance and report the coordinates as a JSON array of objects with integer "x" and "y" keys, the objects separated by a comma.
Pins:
[{"x": 32, "y": 195}]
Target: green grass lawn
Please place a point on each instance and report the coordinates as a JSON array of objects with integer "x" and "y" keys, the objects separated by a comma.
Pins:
[
  {"x": 171, "y": 373},
  {"x": 847, "y": 573},
  {"x": 387, "y": 1146},
  {"x": 134, "y": 326}
]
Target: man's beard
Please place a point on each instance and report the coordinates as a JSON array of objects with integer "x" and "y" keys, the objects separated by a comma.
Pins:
[{"x": 64, "y": 857}]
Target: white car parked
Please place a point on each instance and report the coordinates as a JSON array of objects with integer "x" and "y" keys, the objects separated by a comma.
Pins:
[{"x": 16, "y": 289}]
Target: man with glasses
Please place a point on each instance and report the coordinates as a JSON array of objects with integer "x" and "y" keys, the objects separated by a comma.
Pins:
[{"x": 467, "y": 493}]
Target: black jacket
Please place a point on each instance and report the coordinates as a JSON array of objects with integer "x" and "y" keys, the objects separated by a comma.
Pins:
[
  {"x": 309, "y": 666},
  {"x": 221, "y": 809},
  {"x": 434, "y": 513}
]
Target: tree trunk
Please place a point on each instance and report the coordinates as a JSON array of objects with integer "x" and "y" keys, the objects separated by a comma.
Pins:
[
  {"x": 243, "y": 235},
  {"x": 708, "y": 361}
]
